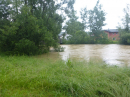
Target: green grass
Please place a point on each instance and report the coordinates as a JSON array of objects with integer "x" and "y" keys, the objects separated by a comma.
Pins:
[{"x": 22, "y": 76}]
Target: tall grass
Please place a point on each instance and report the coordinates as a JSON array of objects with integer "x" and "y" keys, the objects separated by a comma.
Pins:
[{"x": 36, "y": 77}]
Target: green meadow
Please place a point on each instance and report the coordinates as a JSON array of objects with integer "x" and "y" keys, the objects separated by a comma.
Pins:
[{"x": 24, "y": 76}]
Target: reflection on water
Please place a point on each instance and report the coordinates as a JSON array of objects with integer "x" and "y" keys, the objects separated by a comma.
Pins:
[{"x": 112, "y": 54}]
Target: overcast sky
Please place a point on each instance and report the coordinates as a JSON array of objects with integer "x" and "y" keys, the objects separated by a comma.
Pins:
[{"x": 113, "y": 9}]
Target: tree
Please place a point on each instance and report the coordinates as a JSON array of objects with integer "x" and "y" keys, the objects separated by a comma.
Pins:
[
  {"x": 96, "y": 21},
  {"x": 84, "y": 17},
  {"x": 96, "y": 18},
  {"x": 73, "y": 25},
  {"x": 34, "y": 26},
  {"x": 4, "y": 13},
  {"x": 124, "y": 37},
  {"x": 125, "y": 30},
  {"x": 126, "y": 19},
  {"x": 4, "y": 17},
  {"x": 76, "y": 29},
  {"x": 80, "y": 37}
]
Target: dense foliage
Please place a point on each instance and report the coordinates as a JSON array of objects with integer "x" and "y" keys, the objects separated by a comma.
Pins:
[
  {"x": 80, "y": 37},
  {"x": 31, "y": 26}
]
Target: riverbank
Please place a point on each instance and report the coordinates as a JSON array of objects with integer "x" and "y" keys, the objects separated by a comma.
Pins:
[{"x": 22, "y": 76}]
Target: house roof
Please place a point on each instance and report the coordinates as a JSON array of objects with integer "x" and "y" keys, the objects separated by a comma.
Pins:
[{"x": 112, "y": 30}]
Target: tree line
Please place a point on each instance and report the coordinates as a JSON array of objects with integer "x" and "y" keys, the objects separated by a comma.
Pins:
[
  {"x": 32, "y": 26},
  {"x": 90, "y": 19},
  {"x": 94, "y": 21}
]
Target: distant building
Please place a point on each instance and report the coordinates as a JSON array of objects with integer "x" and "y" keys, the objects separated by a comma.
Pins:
[
  {"x": 62, "y": 35},
  {"x": 113, "y": 34}
]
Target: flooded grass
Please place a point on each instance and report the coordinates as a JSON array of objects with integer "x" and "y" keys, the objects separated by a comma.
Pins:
[{"x": 36, "y": 77}]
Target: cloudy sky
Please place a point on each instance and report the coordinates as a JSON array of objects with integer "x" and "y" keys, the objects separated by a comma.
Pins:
[{"x": 113, "y": 9}]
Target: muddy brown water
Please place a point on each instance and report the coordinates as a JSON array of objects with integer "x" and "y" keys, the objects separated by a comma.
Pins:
[{"x": 112, "y": 54}]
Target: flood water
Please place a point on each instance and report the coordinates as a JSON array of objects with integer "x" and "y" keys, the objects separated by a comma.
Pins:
[{"x": 112, "y": 54}]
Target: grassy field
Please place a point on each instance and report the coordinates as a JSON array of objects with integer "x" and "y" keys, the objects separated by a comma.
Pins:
[{"x": 23, "y": 76}]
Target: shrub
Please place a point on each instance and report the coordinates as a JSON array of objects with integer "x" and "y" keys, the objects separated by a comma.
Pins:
[
  {"x": 59, "y": 49},
  {"x": 25, "y": 46}
]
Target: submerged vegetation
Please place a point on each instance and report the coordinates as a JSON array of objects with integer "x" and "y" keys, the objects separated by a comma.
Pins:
[
  {"x": 25, "y": 76},
  {"x": 59, "y": 49}
]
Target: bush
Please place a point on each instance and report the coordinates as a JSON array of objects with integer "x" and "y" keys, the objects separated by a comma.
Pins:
[
  {"x": 25, "y": 46},
  {"x": 124, "y": 38},
  {"x": 59, "y": 49},
  {"x": 27, "y": 34},
  {"x": 80, "y": 37}
]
